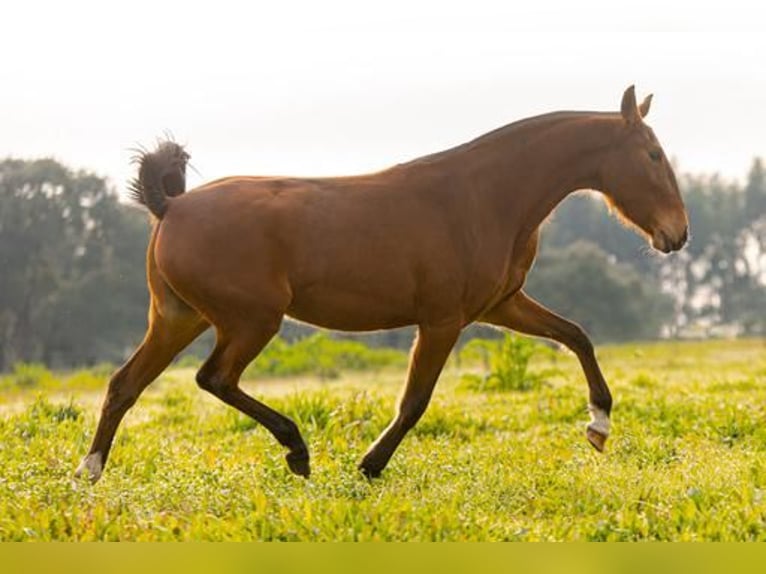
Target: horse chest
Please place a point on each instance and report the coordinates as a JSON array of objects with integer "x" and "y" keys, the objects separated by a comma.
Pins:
[{"x": 509, "y": 276}]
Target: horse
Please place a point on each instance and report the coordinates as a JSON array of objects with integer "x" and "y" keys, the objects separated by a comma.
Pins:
[{"x": 439, "y": 242}]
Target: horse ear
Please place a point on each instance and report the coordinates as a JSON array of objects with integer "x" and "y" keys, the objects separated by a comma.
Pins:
[
  {"x": 628, "y": 109},
  {"x": 643, "y": 109}
]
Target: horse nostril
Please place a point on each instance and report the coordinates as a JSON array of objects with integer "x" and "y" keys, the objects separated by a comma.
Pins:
[{"x": 662, "y": 242}]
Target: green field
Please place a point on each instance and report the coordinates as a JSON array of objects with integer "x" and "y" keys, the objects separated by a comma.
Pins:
[{"x": 686, "y": 460}]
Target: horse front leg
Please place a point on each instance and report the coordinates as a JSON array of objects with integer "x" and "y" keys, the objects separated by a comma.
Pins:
[
  {"x": 523, "y": 314},
  {"x": 429, "y": 353}
]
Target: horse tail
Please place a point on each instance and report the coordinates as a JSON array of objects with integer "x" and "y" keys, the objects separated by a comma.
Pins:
[{"x": 161, "y": 174}]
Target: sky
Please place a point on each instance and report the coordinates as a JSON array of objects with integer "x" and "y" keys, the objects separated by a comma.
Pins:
[{"x": 334, "y": 87}]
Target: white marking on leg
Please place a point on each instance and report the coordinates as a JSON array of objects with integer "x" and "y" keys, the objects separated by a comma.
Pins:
[
  {"x": 92, "y": 466},
  {"x": 599, "y": 420}
]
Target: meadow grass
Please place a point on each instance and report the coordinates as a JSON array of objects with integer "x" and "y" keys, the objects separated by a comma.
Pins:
[{"x": 685, "y": 460}]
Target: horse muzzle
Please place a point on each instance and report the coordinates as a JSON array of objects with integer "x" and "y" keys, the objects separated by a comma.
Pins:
[{"x": 669, "y": 242}]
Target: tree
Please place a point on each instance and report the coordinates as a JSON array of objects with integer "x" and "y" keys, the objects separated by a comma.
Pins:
[
  {"x": 70, "y": 255},
  {"x": 723, "y": 273},
  {"x": 73, "y": 287},
  {"x": 611, "y": 300}
]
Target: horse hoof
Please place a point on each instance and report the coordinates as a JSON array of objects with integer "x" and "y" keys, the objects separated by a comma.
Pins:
[
  {"x": 299, "y": 463},
  {"x": 369, "y": 473},
  {"x": 596, "y": 438},
  {"x": 370, "y": 470},
  {"x": 90, "y": 467}
]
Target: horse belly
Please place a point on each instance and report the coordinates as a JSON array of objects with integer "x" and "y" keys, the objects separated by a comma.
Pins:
[{"x": 348, "y": 310}]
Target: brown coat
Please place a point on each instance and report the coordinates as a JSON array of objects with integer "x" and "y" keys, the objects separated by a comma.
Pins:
[{"x": 439, "y": 242}]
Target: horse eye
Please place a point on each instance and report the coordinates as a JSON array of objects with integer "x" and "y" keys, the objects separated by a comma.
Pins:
[{"x": 655, "y": 155}]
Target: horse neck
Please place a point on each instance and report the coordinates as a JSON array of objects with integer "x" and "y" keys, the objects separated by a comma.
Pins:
[{"x": 525, "y": 173}]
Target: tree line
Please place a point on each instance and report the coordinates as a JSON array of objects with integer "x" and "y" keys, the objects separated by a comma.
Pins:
[{"x": 73, "y": 291}]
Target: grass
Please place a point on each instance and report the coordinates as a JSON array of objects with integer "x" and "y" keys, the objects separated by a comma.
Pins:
[
  {"x": 506, "y": 364},
  {"x": 685, "y": 460}
]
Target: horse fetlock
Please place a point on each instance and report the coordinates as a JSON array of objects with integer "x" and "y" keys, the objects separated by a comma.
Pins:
[{"x": 91, "y": 467}]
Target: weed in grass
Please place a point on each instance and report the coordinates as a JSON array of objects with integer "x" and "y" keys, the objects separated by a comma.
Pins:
[{"x": 507, "y": 363}]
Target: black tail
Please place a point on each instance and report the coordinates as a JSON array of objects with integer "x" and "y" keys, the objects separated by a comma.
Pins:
[{"x": 161, "y": 174}]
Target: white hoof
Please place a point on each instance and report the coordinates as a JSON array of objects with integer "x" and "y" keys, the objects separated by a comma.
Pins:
[{"x": 90, "y": 467}]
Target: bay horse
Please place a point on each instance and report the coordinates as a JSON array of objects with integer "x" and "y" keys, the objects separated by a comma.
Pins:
[{"x": 439, "y": 242}]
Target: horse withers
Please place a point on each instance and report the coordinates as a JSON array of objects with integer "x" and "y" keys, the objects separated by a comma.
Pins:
[{"x": 440, "y": 242}]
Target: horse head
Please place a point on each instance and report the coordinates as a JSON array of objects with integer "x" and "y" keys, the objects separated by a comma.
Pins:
[{"x": 638, "y": 180}]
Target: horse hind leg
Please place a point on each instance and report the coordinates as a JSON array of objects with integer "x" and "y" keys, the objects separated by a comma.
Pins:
[
  {"x": 171, "y": 329},
  {"x": 236, "y": 346}
]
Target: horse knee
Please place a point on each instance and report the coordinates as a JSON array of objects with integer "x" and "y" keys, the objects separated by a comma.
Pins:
[
  {"x": 120, "y": 395},
  {"x": 579, "y": 341}
]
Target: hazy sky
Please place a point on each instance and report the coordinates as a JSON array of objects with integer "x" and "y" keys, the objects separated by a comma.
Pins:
[{"x": 333, "y": 87}]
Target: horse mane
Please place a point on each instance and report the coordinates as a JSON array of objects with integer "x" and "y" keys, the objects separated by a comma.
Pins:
[{"x": 504, "y": 131}]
